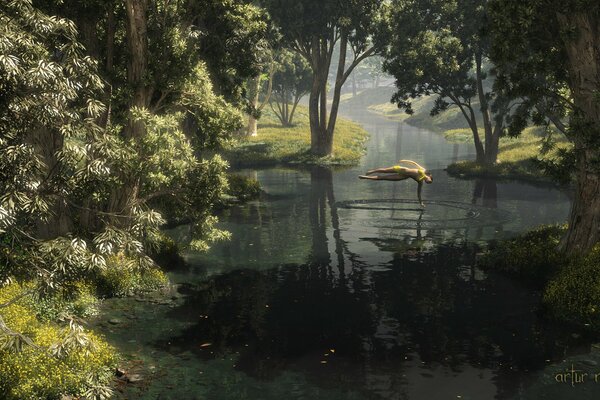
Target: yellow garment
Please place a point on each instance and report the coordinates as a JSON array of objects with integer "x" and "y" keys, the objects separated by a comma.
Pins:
[{"x": 420, "y": 171}]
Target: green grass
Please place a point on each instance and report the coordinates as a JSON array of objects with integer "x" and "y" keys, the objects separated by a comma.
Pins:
[
  {"x": 276, "y": 144},
  {"x": 517, "y": 157}
]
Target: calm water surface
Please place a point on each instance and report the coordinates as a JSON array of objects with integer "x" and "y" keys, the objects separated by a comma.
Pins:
[{"x": 339, "y": 288}]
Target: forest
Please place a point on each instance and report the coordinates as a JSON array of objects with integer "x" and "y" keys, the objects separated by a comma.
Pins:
[{"x": 180, "y": 213}]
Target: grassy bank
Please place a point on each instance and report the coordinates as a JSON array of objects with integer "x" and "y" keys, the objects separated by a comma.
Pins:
[
  {"x": 517, "y": 156},
  {"x": 276, "y": 144},
  {"x": 571, "y": 286}
]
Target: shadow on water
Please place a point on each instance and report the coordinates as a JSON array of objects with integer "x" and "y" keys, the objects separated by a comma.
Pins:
[
  {"x": 335, "y": 288},
  {"x": 424, "y": 324}
]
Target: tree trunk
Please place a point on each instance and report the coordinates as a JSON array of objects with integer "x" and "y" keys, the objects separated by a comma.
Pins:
[
  {"x": 322, "y": 125},
  {"x": 472, "y": 121},
  {"x": 339, "y": 82},
  {"x": 291, "y": 116},
  {"x": 584, "y": 221},
  {"x": 59, "y": 220},
  {"x": 252, "y": 122},
  {"x": 89, "y": 34},
  {"x": 584, "y": 69},
  {"x": 124, "y": 198},
  {"x": 491, "y": 141},
  {"x": 137, "y": 66},
  {"x": 318, "y": 132},
  {"x": 256, "y": 108}
]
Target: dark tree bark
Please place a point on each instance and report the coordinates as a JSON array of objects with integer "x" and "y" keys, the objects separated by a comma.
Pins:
[
  {"x": 322, "y": 123},
  {"x": 491, "y": 133},
  {"x": 125, "y": 197},
  {"x": 584, "y": 66}
]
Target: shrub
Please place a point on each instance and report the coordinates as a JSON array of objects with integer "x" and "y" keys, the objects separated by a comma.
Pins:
[
  {"x": 532, "y": 256},
  {"x": 242, "y": 187},
  {"x": 65, "y": 361},
  {"x": 574, "y": 294},
  {"x": 122, "y": 277},
  {"x": 79, "y": 300}
]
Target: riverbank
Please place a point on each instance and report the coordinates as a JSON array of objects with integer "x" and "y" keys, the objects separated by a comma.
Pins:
[
  {"x": 518, "y": 158},
  {"x": 276, "y": 144}
]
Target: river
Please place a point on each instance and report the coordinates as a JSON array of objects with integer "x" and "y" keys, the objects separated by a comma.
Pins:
[{"x": 338, "y": 288}]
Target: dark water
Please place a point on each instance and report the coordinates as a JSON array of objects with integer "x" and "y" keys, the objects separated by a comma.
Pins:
[{"x": 338, "y": 288}]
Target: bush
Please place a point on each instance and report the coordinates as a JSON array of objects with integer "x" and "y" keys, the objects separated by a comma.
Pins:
[
  {"x": 532, "y": 256},
  {"x": 242, "y": 187},
  {"x": 78, "y": 300},
  {"x": 121, "y": 277},
  {"x": 574, "y": 294},
  {"x": 81, "y": 365}
]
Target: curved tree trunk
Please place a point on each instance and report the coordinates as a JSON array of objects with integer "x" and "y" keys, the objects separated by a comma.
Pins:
[
  {"x": 584, "y": 68},
  {"x": 124, "y": 198},
  {"x": 491, "y": 135},
  {"x": 584, "y": 221},
  {"x": 322, "y": 124}
]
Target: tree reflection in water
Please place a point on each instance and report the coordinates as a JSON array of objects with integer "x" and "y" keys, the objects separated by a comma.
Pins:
[{"x": 426, "y": 313}]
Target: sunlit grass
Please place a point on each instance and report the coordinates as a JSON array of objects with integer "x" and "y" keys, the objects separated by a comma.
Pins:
[
  {"x": 290, "y": 145},
  {"x": 516, "y": 157}
]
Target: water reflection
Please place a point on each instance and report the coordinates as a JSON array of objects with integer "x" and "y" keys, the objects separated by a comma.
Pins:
[
  {"x": 417, "y": 321},
  {"x": 371, "y": 303}
]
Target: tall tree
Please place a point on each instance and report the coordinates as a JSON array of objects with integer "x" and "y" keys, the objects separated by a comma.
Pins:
[
  {"x": 439, "y": 47},
  {"x": 291, "y": 81},
  {"x": 193, "y": 40},
  {"x": 548, "y": 53},
  {"x": 313, "y": 28}
]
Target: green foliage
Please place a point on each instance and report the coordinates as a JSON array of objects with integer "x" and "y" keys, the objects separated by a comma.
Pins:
[
  {"x": 61, "y": 360},
  {"x": 292, "y": 80},
  {"x": 573, "y": 296},
  {"x": 530, "y": 47},
  {"x": 429, "y": 52},
  {"x": 79, "y": 301},
  {"x": 230, "y": 42},
  {"x": 533, "y": 256},
  {"x": 122, "y": 277},
  {"x": 242, "y": 187},
  {"x": 212, "y": 119},
  {"x": 571, "y": 285}
]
